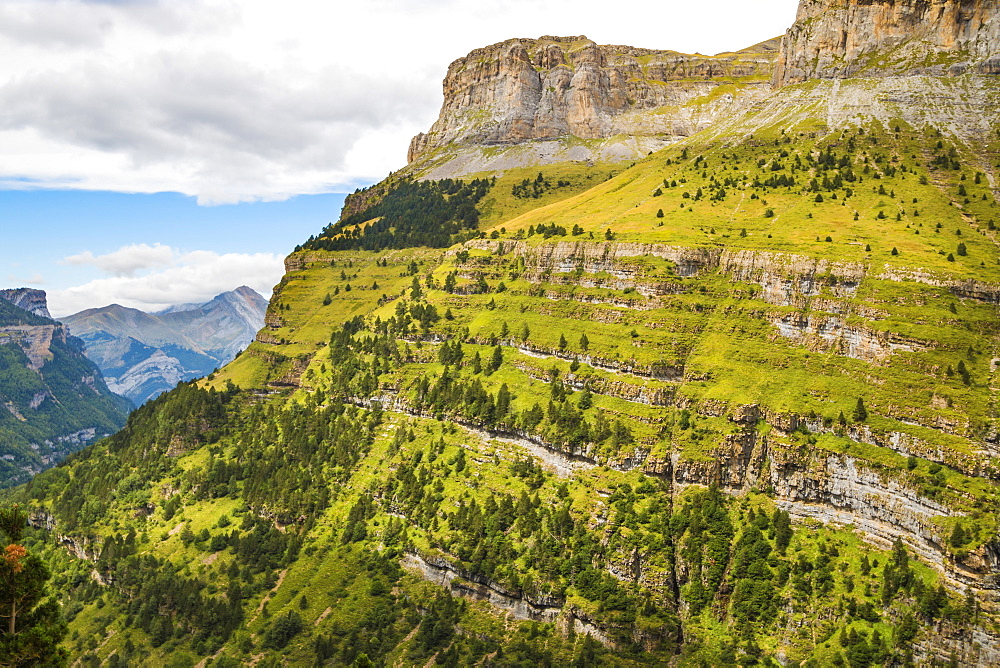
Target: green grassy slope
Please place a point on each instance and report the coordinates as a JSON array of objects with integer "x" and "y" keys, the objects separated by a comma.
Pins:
[{"x": 622, "y": 430}]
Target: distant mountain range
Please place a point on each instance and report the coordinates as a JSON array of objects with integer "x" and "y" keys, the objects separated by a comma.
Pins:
[
  {"x": 53, "y": 400},
  {"x": 144, "y": 354}
]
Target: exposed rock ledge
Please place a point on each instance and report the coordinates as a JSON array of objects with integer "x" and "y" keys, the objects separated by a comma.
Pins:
[{"x": 518, "y": 605}]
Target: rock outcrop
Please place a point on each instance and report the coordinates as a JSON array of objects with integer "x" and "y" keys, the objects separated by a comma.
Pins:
[
  {"x": 526, "y": 90},
  {"x": 29, "y": 299},
  {"x": 55, "y": 399},
  {"x": 837, "y": 39}
]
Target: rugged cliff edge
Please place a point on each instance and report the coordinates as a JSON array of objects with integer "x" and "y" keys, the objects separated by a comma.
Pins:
[
  {"x": 29, "y": 299},
  {"x": 836, "y": 39},
  {"x": 561, "y": 88},
  {"x": 53, "y": 400}
]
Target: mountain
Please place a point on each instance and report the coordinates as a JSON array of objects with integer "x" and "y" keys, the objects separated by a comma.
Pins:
[
  {"x": 732, "y": 404},
  {"x": 29, "y": 299},
  {"x": 852, "y": 38},
  {"x": 560, "y": 99},
  {"x": 54, "y": 399},
  {"x": 144, "y": 354}
]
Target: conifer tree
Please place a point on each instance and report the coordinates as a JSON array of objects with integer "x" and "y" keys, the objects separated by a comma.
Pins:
[
  {"x": 496, "y": 360},
  {"x": 860, "y": 412},
  {"x": 31, "y": 628}
]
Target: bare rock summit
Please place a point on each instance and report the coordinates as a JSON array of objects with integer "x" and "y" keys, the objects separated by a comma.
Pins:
[{"x": 535, "y": 91}]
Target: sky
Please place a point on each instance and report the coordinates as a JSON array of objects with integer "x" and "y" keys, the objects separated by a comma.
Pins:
[{"x": 162, "y": 151}]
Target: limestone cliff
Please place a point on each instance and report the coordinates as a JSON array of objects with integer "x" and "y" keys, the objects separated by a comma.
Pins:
[
  {"x": 844, "y": 38},
  {"x": 525, "y": 90},
  {"x": 29, "y": 299},
  {"x": 55, "y": 399}
]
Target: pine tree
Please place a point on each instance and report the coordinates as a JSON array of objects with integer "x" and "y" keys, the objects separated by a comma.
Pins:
[
  {"x": 964, "y": 372},
  {"x": 33, "y": 628},
  {"x": 958, "y": 535},
  {"x": 584, "y": 342},
  {"x": 860, "y": 412},
  {"x": 496, "y": 360}
]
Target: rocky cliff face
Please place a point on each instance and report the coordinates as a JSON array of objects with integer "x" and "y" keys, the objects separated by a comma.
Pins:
[
  {"x": 53, "y": 400},
  {"x": 835, "y": 39},
  {"x": 524, "y": 90},
  {"x": 29, "y": 299}
]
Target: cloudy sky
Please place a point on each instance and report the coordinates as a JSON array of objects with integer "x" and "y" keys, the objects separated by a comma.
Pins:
[{"x": 154, "y": 152}]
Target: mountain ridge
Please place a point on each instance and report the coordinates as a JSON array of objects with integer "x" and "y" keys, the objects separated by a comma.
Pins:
[
  {"x": 143, "y": 354},
  {"x": 54, "y": 399},
  {"x": 29, "y": 299},
  {"x": 732, "y": 404},
  {"x": 539, "y": 93}
]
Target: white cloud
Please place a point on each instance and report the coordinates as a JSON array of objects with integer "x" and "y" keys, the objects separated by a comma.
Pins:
[
  {"x": 234, "y": 101},
  {"x": 185, "y": 278},
  {"x": 35, "y": 280},
  {"x": 126, "y": 260}
]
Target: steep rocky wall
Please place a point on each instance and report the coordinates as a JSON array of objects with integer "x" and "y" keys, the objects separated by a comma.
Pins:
[
  {"x": 34, "y": 340},
  {"x": 836, "y": 39},
  {"x": 29, "y": 299},
  {"x": 524, "y": 89},
  {"x": 842, "y": 490},
  {"x": 785, "y": 279}
]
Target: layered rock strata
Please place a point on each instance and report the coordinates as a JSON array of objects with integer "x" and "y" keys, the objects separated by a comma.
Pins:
[
  {"x": 29, "y": 299},
  {"x": 837, "y": 39},
  {"x": 524, "y": 90}
]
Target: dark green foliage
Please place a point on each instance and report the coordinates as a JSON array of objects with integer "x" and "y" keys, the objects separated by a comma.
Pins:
[
  {"x": 413, "y": 213},
  {"x": 69, "y": 404},
  {"x": 282, "y": 630},
  {"x": 30, "y": 624},
  {"x": 535, "y": 188},
  {"x": 782, "y": 523},
  {"x": 707, "y": 545},
  {"x": 754, "y": 597},
  {"x": 860, "y": 412},
  {"x": 963, "y": 372},
  {"x": 553, "y": 230}
]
